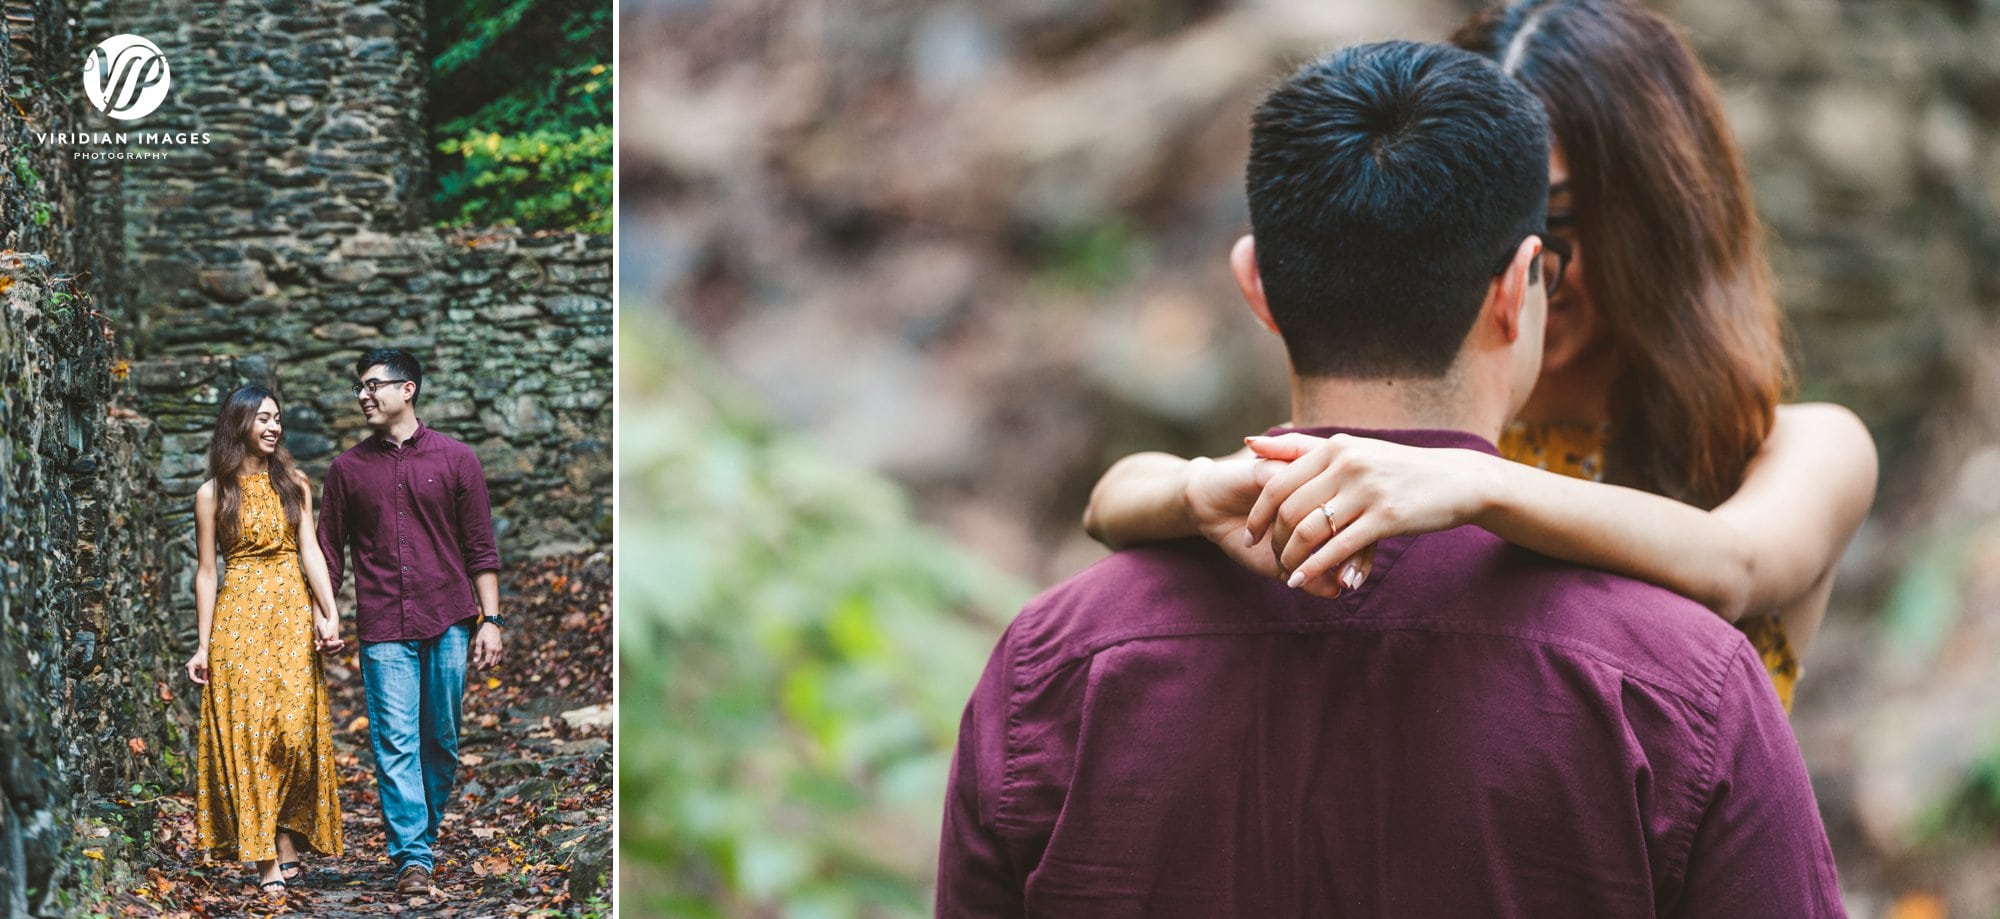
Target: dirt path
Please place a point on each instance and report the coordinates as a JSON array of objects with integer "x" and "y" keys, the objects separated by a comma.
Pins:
[{"x": 530, "y": 831}]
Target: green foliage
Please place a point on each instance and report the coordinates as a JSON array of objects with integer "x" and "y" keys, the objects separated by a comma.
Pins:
[
  {"x": 795, "y": 652},
  {"x": 1925, "y": 603},
  {"x": 521, "y": 102},
  {"x": 1088, "y": 259}
]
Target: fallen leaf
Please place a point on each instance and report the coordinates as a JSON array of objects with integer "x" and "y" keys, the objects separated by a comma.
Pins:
[
  {"x": 358, "y": 725},
  {"x": 1918, "y": 906},
  {"x": 492, "y": 683},
  {"x": 484, "y": 832},
  {"x": 94, "y": 853}
]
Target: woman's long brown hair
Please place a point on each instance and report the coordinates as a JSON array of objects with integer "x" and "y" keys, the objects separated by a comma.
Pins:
[
  {"x": 1669, "y": 230},
  {"x": 226, "y": 449}
]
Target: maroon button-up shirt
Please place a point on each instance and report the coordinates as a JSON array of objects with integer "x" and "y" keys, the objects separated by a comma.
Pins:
[
  {"x": 418, "y": 520},
  {"x": 1477, "y": 731}
]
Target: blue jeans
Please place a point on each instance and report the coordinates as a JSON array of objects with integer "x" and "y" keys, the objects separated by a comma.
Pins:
[{"x": 414, "y": 691}]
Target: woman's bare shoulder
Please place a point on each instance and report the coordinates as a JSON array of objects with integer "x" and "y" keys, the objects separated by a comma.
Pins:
[{"x": 1828, "y": 425}]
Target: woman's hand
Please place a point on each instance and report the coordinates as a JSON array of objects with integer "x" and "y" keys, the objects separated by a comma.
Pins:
[
  {"x": 1370, "y": 490},
  {"x": 197, "y": 666},
  {"x": 1219, "y": 493},
  {"x": 326, "y": 634}
]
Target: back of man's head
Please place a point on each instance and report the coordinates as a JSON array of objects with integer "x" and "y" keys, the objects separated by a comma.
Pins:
[{"x": 1387, "y": 184}]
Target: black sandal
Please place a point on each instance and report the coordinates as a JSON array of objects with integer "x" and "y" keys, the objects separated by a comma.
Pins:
[{"x": 284, "y": 868}]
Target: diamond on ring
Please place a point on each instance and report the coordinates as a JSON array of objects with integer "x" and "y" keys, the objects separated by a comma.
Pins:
[{"x": 1326, "y": 510}]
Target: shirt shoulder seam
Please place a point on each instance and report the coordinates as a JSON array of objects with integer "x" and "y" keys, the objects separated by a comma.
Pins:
[{"x": 1106, "y": 642}]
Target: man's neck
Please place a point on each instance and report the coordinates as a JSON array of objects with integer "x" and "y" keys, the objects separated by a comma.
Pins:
[
  {"x": 398, "y": 431},
  {"x": 1397, "y": 404}
]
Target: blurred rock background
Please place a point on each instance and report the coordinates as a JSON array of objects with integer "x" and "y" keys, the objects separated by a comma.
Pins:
[{"x": 979, "y": 249}]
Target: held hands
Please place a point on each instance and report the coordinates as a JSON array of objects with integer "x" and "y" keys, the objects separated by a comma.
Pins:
[
  {"x": 326, "y": 634},
  {"x": 486, "y": 646},
  {"x": 197, "y": 666},
  {"x": 1219, "y": 494},
  {"x": 1370, "y": 490}
]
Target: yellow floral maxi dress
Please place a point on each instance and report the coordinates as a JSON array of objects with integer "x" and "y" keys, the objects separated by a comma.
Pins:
[
  {"x": 264, "y": 752},
  {"x": 1577, "y": 450}
]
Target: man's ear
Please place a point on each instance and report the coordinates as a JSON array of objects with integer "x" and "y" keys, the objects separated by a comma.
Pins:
[
  {"x": 1507, "y": 296},
  {"x": 1243, "y": 264}
]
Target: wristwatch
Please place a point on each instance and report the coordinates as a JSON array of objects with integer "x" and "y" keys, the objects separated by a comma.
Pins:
[{"x": 495, "y": 619}]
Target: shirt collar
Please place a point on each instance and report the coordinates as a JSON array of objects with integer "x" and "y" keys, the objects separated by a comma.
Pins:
[
  {"x": 1414, "y": 437},
  {"x": 382, "y": 440}
]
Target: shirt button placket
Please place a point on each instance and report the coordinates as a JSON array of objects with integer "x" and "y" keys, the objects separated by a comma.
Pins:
[{"x": 402, "y": 536}]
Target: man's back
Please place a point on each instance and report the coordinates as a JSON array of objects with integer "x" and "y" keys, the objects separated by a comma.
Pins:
[{"x": 1477, "y": 731}]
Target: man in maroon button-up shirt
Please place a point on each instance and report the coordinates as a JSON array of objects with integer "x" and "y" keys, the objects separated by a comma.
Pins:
[
  {"x": 410, "y": 504},
  {"x": 1476, "y": 730}
]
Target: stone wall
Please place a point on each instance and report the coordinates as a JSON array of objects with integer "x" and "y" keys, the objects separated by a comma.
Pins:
[
  {"x": 87, "y": 662},
  {"x": 88, "y": 657},
  {"x": 515, "y": 335},
  {"x": 297, "y": 238},
  {"x": 274, "y": 253}
]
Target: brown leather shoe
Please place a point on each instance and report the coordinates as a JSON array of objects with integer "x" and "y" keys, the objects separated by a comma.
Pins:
[{"x": 413, "y": 881}]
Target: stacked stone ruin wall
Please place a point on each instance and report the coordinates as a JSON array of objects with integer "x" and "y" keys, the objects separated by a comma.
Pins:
[{"x": 135, "y": 294}]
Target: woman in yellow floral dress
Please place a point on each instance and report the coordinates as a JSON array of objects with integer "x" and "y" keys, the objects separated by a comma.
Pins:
[
  {"x": 1653, "y": 444},
  {"x": 266, "y": 788}
]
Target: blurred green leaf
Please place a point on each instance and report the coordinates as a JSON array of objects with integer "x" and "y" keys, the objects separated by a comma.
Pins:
[
  {"x": 1926, "y": 599},
  {"x": 794, "y": 654}
]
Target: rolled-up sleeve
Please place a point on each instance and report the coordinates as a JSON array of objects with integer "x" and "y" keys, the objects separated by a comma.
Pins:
[{"x": 475, "y": 516}]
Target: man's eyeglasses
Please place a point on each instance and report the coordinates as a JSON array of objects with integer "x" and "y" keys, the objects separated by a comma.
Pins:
[
  {"x": 1555, "y": 260},
  {"x": 371, "y": 386}
]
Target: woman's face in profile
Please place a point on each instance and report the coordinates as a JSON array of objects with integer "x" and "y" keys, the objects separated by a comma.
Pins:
[
  {"x": 1574, "y": 324},
  {"x": 1562, "y": 223}
]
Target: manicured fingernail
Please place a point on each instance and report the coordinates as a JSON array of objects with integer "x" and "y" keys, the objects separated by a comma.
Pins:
[
  {"x": 1351, "y": 577},
  {"x": 1297, "y": 578}
]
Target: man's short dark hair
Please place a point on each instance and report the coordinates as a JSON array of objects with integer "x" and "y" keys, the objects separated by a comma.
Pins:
[
  {"x": 1386, "y": 183},
  {"x": 400, "y": 364}
]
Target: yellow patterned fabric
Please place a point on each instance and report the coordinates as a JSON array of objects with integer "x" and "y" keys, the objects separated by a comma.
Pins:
[
  {"x": 1577, "y": 450},
  {"x": 264, "y": 751}
]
